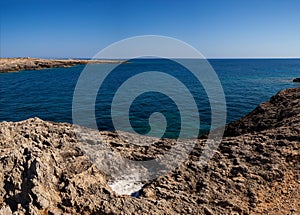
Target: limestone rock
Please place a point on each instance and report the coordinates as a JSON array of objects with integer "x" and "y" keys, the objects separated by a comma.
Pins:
[{"x": 254, "y": 171}]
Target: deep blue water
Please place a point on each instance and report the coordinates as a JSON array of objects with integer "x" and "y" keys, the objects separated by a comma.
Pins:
[{"x": 48, "y": 93}]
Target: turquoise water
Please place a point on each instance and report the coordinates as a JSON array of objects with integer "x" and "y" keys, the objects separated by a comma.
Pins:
[{"x": 48, "y": 93}]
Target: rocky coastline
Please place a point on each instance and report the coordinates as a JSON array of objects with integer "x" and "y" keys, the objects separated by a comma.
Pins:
[
  {"x": 256, "y": 169},
  {"x": 19, "y": 64}
]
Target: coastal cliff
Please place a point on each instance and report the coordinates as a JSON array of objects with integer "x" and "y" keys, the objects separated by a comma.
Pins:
[
  {"x": 19, "y": 64},
  {"x": 256, "y": 169}
]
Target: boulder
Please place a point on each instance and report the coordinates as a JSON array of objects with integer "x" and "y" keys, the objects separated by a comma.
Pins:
[{"x": 296, "y": 80}]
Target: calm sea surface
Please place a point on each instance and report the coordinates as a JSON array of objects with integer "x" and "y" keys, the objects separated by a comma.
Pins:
[{"x": 48, "y": 93}]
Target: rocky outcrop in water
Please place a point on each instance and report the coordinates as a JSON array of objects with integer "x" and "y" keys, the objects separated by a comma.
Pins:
[
  {"x": 256, "y": 169},
  {"x": 296, "y": 80}
]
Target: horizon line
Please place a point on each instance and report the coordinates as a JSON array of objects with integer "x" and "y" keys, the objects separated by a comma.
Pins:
[{"x": 208, "y": 58}]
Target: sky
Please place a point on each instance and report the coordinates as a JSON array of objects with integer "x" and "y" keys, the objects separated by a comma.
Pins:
[{"x": 216, "y": 28}]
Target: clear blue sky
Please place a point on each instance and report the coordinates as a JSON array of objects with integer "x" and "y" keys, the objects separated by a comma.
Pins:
[{"x": 81, "y": 28}]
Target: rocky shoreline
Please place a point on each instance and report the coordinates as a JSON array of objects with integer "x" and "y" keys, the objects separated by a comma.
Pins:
[
  {"x": 19, "y": 64},
  {"x": 256, "y": 169}
]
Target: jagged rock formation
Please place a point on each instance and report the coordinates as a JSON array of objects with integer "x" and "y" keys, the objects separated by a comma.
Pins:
[
  {"x": 283, "y": 109},
  {"x": 296, "y": 80},
  {"x": 18, "y": 64},
  {"x": 256, "y": 169}
]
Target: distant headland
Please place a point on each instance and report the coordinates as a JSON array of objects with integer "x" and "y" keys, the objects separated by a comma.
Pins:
[{"x": 19, "y": 64}]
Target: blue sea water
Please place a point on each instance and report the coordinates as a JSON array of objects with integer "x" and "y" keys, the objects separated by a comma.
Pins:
[{"x": 48, "y": 93}]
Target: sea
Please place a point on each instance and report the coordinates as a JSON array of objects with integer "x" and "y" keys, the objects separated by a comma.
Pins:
[{"x": 48, "y": 94}]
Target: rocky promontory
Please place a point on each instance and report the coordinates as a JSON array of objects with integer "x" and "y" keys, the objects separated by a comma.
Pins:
[
  {"x": 256, "y": 169},
  {"x": 19, "y": 64},
  {"x": 296, "y": 80}
]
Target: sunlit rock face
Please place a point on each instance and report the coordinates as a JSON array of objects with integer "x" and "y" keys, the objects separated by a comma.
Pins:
[{"x": 255, "y": 170}]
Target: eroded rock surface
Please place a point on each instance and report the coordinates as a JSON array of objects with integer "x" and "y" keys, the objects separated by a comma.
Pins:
[{"x": 256, "y": 169}]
